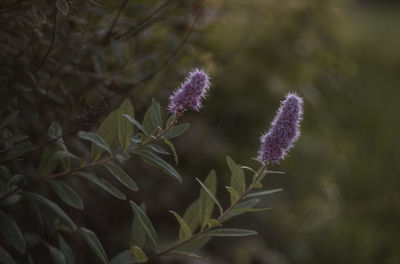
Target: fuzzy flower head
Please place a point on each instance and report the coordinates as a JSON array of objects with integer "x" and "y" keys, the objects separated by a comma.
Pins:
[
  {"x": 190, "y": 93},
  {"x": 284, "y": 131}
]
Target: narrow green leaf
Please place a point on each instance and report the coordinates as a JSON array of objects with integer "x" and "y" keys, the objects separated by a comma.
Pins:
[
  {"x": 154, "y": 160},
  {"x": 192, "y": 217},
  {"x": 47, "y": 163},
  {"x": 148, "y": 122},
  {"x": 136, "y": 123},
  {"x": 230, "y": 232},
  {"x": 264, "y": 193},
  {"x": 125, "y": 128},
  {"x": 233, "y": 194},
  {"x": 187, "y": 254},
  {"x": 207, "y": 198},
  {"x": 63, "y": 154},
  {"x": 95, "y": 139},
  {"x": 194, "y": 245},
  {"x": 138, "y": 233},
  {"x": 66, "y": 250},
  {"x": 9, "y": 119},
  {"x": 121, "y": 176},
  {"x": 105, "y": 185},
  {"x": 242, "y": 205},
  {"x": 56, "y": 255},
  {"x": 146, "y": 223},
  {"x": 139, "y": 254},
  {"x": 66, "y": 194},
  {"x": 158, "y": 149},
  {"x": 94, "y": 243},
  {"x": 5, "y": 257},
  {"x": 155, "y": 108},
  {"x": 40, "y": 200},
  {"x": 123, "y": 257},
  {"x": 238, "y": 181},
  {"x": 108, "y": 131},
  {"x": 170, "y": 120},
  {"x": 211, "y": 184},
  {"x": 187, "y": 233},
  {"x": 251, "y": 210},
  {"x": 177, "y": 130},
  {"x": 11, "y": 233},
  {"x": 172, "y": 148}
]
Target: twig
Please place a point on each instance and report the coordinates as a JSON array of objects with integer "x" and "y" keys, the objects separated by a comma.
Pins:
[
  {"x": 219, "y": 219},
  {"x": 52, "y": 41},
  {"x": 92, "y": 164}
]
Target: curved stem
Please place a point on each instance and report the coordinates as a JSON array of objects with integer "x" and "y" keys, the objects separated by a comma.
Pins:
[
  {"x": 93, "y": 164},
  {"x": 219, "y": 219}
]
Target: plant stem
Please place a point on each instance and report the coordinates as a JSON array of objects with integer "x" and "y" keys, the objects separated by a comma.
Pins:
[
  {"x": 219, "y": 219},
  {"x": 93, "y": 164}
]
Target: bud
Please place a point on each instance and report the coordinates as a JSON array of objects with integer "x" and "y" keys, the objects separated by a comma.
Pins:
[
  {"x": 190, "y": 93},
  {"x": 284, "y": 131}
]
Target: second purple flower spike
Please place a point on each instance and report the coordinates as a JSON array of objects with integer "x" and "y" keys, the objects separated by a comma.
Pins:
[
  {"x": 190, "y": 93},
  {"x": 284, "y": 131}
]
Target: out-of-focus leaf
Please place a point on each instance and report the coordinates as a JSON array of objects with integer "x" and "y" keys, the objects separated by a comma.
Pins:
[
  {"x": 66, "y": 250},
  {"x": 121, "y": 176},
  {"x": 267, "y": 192},
  {"x": 186, "y": 254},
  {"x": 56, "y": 255},
  {"x": 187, "y": 233},
  {"x": 230, "y": 232},
  {"x": 63, "y": 154},
  {"x": 155, "y": 108},
  {"x": 66, "y": 194},
  {"x": 63, "y": 7},
  {"x": 125, "y": 128},
  {"x": 154, "y": 160},
  {"x": 177, "y": 130},
  {"x": 9, "y": 119},
  {"x": 12, "y": 199},
  {"x": 105, "y": 185},
  {"x": 40, "y": 200},
  {"x": 123, "y": 257},
  {"x": 146, "y": 223},
  {"x": 238, "y": 181},
  {"x": 95, "y": 139},
  {"x": 11, "y": 233},
  {"x": 5, "y": 257},
  {"x": 13, "y": 138},
  {"x": 139, "y": 254},
  {"x": 94, "y": 243}
]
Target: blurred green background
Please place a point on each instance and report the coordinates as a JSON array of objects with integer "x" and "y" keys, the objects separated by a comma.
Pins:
[{"x": 340, "y": 202}]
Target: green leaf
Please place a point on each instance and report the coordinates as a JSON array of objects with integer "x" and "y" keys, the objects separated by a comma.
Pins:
[
  {"x": 233, "y": 194},
  {"x": 238, "y": 181},
  {"x": 158, "y": 149},
  {"x": 9, "y": 119},
  {"x": 177, "y": 130},
  {"x": 187, "y": 254},
  {"x": 187, "y": 233},
  {"x": 105, "y": 185},
  {"x": 154, "y": 160},
  {"x": 63, "y": 7},
  {"x": 148, "y": 122},
  {"x": 230, "y": 232},
  {"x": 172, "y": 148},
  {"x": 11, "y": 233},
  {"x": 10, "y": 200},
  {"x": 13, "y": 138},
  {"x": 121, "y": 176},
  {"x": 95, "y": 139},
  {"x": 56, "y": 255},
  {"x": 136, "y": 123},
  {"x": 108, "y": 131},
  {"x": 138, "y": 233},
  {"x": 63, "y": 154},
  {"x": 66, "y": 194},
  {"x": 146, "y": 223},
  {"x": 207, "y": 198},
  {"x": 138, "y": 253},
  {"x": 155, "y": 108},
  {"x": 19, "y": 150},
  {"x": 194, "y": 244},
  {"x": 192, "y": 217},
  {"x": 251, "y": 210},
  {"x": 94, "y": 243},
  {"x": 5, "y": 257},
  {"x": 47, "y": 163},
  {"x": 54, "y": 130},
  {"x": 66, "y": 250},
  {"x": 170, "y": 120},
  {"x": 123, "y": 257},
  {"x": 264, "y": 193},
  {"x": 125, "y": 128},
  {"x": 40, "y": 200},
  {"x": 242, "y": 205}
]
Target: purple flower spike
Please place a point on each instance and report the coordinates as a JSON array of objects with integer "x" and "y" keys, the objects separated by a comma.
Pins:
[
  {"x": 284, "y": 131},
  {"x": 190, "y": 93}
]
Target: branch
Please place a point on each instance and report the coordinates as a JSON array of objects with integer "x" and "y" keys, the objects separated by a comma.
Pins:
[
  {"x": 93, "y": 164},
  {"x": 219, "y": 219}
]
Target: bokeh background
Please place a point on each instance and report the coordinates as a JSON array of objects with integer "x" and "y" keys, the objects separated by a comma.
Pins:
[{"x": 341, "y": 201}]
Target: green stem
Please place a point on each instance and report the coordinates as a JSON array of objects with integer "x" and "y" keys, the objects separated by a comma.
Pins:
[{"x": 150, "y": 140}]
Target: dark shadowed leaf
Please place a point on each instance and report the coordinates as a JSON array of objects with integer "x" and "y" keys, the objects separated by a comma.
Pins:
[
  {"x": 105, "y": 185},
  {"x": 66, "y": 250},
  {"x": 121, "y": 176},
  {"x": 56, "y": 255},
  {"x": 94, "y": 243},
  {"x": 155, "y": 108},
  {"x": 146, "y": 223},
  {"x": 66, "y": 194},
  {"x": 11, "y": 233},
  {"x": 108, "y": 131},
  {"x": 125, "y": 128},
  {"x": 95, "y": 139},
  {"x": 238, "y": 181},
  {"x": 177, "y": 130},
  {"x": 5, "y": 257}
]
